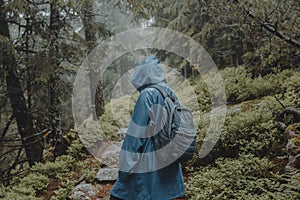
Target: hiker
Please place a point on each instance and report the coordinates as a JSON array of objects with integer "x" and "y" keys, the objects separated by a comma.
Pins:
[{"x": 139, "y": 177}]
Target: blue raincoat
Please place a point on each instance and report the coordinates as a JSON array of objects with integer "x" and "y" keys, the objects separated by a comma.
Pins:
[{"x": 139, "y": 177}]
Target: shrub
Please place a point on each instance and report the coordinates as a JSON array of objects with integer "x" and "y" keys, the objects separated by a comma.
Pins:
[
  {"x": 75, "y": 149},
  {"x": 240, "y": 86},
  {"x": 247, "y": 177},
  {"x": 253, "y": 130},
  {"x": 60, "y": 194},
  {"x": 27, "y": 188},
  {"x": 62, "y": 164},
  {"x": 36, "y": 181}
]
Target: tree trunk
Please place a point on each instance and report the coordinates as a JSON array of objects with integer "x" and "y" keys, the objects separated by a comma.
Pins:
[
  {"x": 32, "y": 145},
  {"x": 54, "y": 90},
  {"x": 96, "y": 90}
]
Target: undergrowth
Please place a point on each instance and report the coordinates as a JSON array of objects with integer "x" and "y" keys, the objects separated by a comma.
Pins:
[{"x": 247, "y": 177}]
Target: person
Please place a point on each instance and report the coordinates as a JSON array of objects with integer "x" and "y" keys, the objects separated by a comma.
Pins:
[{"x": 139, "y": 177}]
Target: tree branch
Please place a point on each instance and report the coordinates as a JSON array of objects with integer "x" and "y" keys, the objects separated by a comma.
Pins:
[
  {"x": 7, "y": 127},
  {"x": 275, "y": 32}
]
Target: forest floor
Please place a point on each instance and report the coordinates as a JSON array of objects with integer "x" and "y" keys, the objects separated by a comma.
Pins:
[{"x": 104, "y": 186}]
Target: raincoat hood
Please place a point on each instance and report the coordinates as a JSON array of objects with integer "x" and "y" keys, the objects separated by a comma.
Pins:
[{"x": 149, "y": 72}]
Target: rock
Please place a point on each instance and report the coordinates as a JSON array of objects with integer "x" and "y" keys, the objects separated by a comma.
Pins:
[
  {"x": 110, "y": 158},
  {"x": 107, "y": 174},
  {"x": 79, "y": 195},
  {"x": 84, "y": 191},
  {"x": 110, "y": 155},
  {"x": 107, "y": 152}
]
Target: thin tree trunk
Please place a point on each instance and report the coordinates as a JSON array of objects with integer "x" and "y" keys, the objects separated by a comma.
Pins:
[
  {"x": 58, "y": 142},
  {"x": 96, "y": 89}
]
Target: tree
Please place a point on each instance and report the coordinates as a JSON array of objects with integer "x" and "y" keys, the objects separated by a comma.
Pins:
[
  {"x": 31, "y": 144},
  {"x": 260, "y": 34}
]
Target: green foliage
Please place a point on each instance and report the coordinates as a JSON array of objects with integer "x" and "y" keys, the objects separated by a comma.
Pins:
[
  {"x": 27, "y": 188},
  {"x": 75, "y": 149},
  {"x": 247, "y": 177},
  {"x": 91, "y": 132},
  {"x": 67, "y": 184},
  {"x": 60, "y": 194},
  {"x": 117, "y": 115},
  {"x": 241, "y": 87},
  {"x": 90, "y": 175},
  {"x": 108, "y": 124},
  {"x": 2, "y": 191},
  {"x": 202, "y": 92},
  {"x": 36, "y": 181},
  {"x": 291, "y": 178},
  {"x": 41, "y": 174},
  {"x": 51, "y": 169},
  {"x": 235, "y": 32},
  {"x": 253, "y": 130},
  {"x": 28, "y": 195}
]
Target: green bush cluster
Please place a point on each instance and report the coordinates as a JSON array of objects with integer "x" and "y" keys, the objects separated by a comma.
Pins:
[
  {"x": 253, "y": 129},
  {"x": 75, "y": 149},
  {"x": 247, "y": 177},
  {"x": 62, "y": 164},
  {"x": 240, "y": 86},
  {"x": 27, "y": 188}
]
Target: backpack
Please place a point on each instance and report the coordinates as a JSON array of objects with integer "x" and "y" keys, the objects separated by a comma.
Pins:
[{"x": 178, "y": 131}]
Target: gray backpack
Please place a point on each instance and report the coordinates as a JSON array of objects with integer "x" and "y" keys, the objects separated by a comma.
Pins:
[{"x": 178, "y": 131}]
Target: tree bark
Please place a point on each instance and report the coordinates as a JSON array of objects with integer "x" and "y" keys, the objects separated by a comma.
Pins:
[{"x": 57, "y": 140}]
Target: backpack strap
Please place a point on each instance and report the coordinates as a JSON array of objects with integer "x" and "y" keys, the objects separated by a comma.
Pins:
[
  {"x": 164, "y": 95},
  {"x": 160, "y": 89}
]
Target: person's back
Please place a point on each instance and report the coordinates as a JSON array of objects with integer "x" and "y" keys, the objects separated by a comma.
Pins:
[{"x": 140, "y": 177}]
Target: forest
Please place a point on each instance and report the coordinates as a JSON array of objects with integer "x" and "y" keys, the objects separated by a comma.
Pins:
[{"x": 56, "y": 136}]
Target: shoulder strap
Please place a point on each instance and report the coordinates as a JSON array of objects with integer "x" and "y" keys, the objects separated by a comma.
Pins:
[{"x": 160, "y": 89}]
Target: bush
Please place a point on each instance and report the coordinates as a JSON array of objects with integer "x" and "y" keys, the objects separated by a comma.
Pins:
[
  {"x": 36, "y": 181},
  {"x": 62, "y": 164},
  {"x": 240, "y": 86},
  {"x": 247, "y": 177},
  {"x": 27, "y": 188},
  {"x": 253, "y": 130}
]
